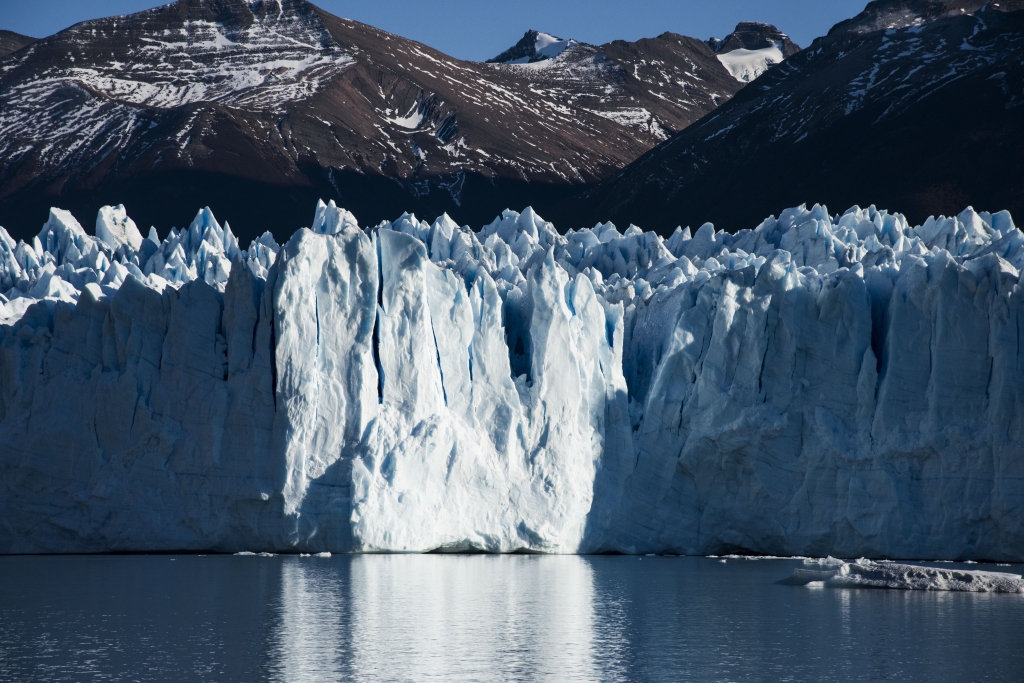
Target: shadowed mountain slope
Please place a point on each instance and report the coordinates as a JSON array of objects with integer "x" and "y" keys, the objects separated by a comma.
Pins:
[
  {"x": 12, "y": 42},
  {"x": 923, "y": 116}
]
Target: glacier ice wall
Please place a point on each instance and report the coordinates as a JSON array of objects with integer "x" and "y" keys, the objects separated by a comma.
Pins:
[{"x": 820, "y": 385}]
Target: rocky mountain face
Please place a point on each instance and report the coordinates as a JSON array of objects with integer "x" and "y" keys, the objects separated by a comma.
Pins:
[
  {"x": 12, "y": 42},
  {"x": 654, "y": 86},
  {"x": 259, "y": 107},
  {"x": 917, "y": 106},
  {"x": 753, "y": 35}
]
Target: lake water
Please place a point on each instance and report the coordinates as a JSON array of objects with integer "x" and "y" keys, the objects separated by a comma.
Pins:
[{"x": 484, "y": 618}]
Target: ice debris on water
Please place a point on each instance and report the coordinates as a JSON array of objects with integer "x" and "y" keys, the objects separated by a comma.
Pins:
[
  {"x": 864, "y": 573},
  {"x": 761, "y": 557},
  {"x": 821, "y": 383}
]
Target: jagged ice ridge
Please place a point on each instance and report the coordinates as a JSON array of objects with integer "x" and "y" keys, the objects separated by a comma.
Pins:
[{"x": 820, "y": 385}]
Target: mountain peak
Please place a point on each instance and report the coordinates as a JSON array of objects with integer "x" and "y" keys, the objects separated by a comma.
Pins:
[
  {"x": 534, "y": 46},
  {"x": 754, "y": 35},
  {"x": 751, "y": 49}
]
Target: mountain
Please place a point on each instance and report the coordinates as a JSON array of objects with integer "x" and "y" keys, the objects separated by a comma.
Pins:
[
  {"x": 534, "y": 46},
  {"x": 752, "y": 49},
  {"x": 12, "y": 42},
  {"x": 653, "y": 86},
  {"x": 259, "y": 107},
  {"x": 925, "y": 115},
  {"x": 821, "y": 385}
]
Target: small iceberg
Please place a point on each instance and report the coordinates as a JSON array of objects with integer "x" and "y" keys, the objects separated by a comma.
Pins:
[{"x": 864, "y": 573}]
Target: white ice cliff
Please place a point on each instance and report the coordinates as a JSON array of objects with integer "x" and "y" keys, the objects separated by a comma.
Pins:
[{"x": 821, "y": 385}]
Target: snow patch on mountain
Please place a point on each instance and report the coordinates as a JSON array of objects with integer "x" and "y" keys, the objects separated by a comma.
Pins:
[
  {"x": 635, "y": 117},
  {"x": 549, "y": 47},
  {"x": 411, "y": 121},
  {"x": 746, "y": 65}
]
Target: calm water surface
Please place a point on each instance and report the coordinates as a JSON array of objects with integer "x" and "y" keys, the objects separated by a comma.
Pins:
[{"x": 483, "y": 618}]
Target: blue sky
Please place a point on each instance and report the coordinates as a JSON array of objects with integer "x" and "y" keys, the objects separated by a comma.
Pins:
[{"x": 478, "y": 29}]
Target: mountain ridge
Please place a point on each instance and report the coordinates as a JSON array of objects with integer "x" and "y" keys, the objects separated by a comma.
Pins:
[
  {"x": 258, "y": 108},
  {"x": 12, "y": 42}
]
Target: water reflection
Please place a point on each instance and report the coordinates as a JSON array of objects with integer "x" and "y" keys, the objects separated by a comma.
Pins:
[
  {"x": 450, "y": 618},
  {"x": 311, "y": 639},
  {"x": 482, "y": 618}
]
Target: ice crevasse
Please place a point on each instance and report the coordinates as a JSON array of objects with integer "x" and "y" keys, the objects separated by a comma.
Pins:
[{"x": 842, "y": 385}]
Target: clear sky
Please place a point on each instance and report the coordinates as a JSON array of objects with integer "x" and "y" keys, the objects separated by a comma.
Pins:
[{"x": 479, "y": 29}]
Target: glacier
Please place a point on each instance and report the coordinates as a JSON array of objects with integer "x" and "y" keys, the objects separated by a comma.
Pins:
[{"x": 845, "y": 385}]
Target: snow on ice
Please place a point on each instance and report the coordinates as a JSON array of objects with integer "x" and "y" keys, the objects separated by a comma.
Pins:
[{"x": 847, "y": 385}]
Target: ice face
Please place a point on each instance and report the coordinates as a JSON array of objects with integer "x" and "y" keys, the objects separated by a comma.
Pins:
[
  {"x": 822, "y": 384},
  {"x": 114, "y": 228}
]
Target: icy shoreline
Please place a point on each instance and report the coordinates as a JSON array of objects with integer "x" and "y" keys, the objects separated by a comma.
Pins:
[{"x": 821, "y": 385}]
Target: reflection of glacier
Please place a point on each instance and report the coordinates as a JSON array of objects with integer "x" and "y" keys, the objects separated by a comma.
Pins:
[
  {"x": 416, "y": 617},
  {"x": 845, "y": 385},
  {"x": 310, "y": 639},
  {"x": 514, "y": 613}
]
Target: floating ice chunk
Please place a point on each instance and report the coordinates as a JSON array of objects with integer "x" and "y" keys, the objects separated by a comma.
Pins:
[
  {"x": 764, "y": 557},
  {"x": 867, "y": 574}
]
